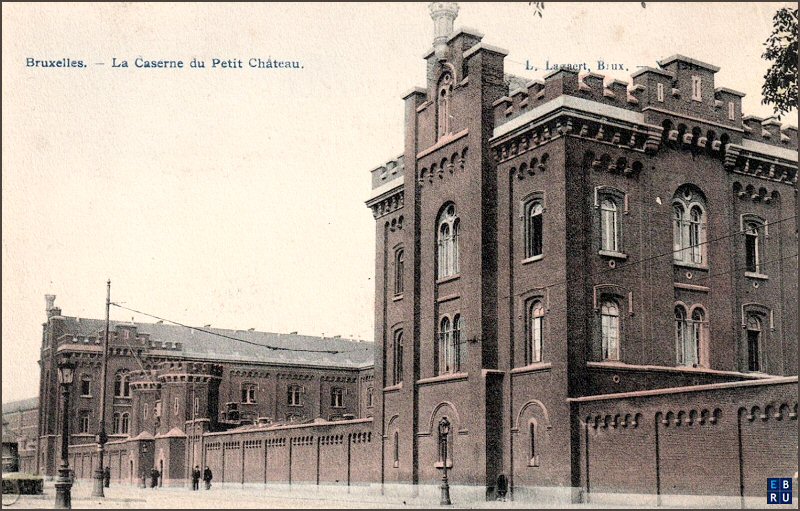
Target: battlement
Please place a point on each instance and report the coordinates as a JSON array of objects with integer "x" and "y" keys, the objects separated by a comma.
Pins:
[
  {"x": 679, "y": 96},
  {"x": 387, "y": 172}
]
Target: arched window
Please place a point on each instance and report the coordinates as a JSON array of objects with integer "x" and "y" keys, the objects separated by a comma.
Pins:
[
  {"x": 533, "y": 229},
  {"x": 609, "y": 325},
  {"x": 753, "y": 343},
  {"x": 125, "y": 425},
  {"x": 447, "y": 243},
  {"x": 397, "y": 368},
  {"x": 459, "y": 344},
  {"x": 609, "y": 225},
  {"x": 398, "y": 271},
  {"x": 681, "y": 334},
  {"x": 445, "y": 342},
  {"x": 533, "y": 352},
  {"x": 689, "y": 226},
  {"x": 443, "y": 95},
  {"x": 337, "y": 397},
  {"x": 752, "y": 247},
  {"x": 696, "y": 338}
]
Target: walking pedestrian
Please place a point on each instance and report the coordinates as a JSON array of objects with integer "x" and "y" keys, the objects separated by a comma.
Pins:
[
  {"x": 107, "y": 477},
  {"x": 196, "y": 478},
  {"x": 154, "y": 474},
  {"x": 207, "y": 476}
]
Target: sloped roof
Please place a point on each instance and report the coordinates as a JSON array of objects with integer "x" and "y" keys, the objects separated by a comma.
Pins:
[
  {"x": 32, "y": 403},
  {"x": 264, "y": 347}
]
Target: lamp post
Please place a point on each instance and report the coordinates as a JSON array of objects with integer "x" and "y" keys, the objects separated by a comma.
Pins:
[
  {"x": 102, "y": 437},
  {"x": 66, "y": 374},
  {"x": 444, "y": 431}
]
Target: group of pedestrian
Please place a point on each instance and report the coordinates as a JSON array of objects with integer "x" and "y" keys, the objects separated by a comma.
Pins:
[
  {"x": 207, "y": 476},
  {"x": 155, "y": 474}
]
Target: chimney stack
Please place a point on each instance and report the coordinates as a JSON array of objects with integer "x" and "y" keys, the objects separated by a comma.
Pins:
[
  {"x": 51, "y": 309},
  {"x": 443, "y": 15}
]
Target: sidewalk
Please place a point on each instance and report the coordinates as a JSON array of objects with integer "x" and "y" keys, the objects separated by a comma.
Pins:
[{"x": 122, "y": 496}]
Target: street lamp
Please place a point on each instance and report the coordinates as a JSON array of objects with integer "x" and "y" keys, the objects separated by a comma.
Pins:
[
  {"x": 444, "y": 432},
  {"x": 66, "y": 375}
]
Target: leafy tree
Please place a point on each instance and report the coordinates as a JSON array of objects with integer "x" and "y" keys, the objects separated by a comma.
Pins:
[{"x": 780, "y": 82}]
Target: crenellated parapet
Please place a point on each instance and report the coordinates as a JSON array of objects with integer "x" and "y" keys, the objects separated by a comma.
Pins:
[
  {"x": 188, "y": 372},
  {"x": 676, "y": 107}
]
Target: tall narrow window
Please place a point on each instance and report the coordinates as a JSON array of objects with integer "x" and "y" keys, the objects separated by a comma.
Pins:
[
  {"x": 609, "y": 324},
  {"x": 443, "y": 104},
  {"x": 694, "y": 338},
  {"x": 697, "y": 91},
  {"x": 753, "y": 343},
  {"x": 609, "y": 225},
  {"x": 83, "y": 422},
  {"x": 533, "y": 229},
  {"x": 751, "y": 240},
  {"x": 731, "y": 111},
  {"x": 681, "y": 334},
  {"x": 125, "y": 425},
  {"x": 396, "y": 449},
  {"x": 176, "y": 406},
  {"x": 115, "y": 424},
  {"x": 533, "y": 461},
  {"x": 660, "y": 92},
  {"x": 397, "y": 372},
  {"x": 533, "y": 353},
  {"x": 447, "y": 243},
  {"x": 370, "y": 397},
  {"x": 459, "y": 344},
  {"x": 695, "y": 224},
  {"x": 445, "y": 365},
  {"x": 398, "y": 272},
  {"x": 689, "y": 227}
]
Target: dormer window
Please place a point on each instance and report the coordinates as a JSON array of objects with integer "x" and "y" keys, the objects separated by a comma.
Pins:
[{"x": 697, "y": 94}]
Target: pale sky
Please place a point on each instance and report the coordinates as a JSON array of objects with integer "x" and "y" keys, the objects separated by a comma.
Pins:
[{"x": 235, "y": 197}]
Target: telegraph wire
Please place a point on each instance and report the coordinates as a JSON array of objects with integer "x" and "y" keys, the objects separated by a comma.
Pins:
[{"x": 209, "y": 332}]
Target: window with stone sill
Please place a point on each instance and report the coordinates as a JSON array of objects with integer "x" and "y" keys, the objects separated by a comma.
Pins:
[
  {"x": 691, "y": 334},
  {"x": 611, "y": 204},
  {"x": 534, "y": 228},
  {"x": 83, "y": 422}
]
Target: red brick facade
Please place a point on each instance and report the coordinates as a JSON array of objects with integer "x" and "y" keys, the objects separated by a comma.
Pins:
[{"x": 585, "y": 301}]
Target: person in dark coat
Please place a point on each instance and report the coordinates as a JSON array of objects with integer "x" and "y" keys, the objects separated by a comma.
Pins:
[
  {"x": 207, "y": 476},
  {"x": 154, "y": 477},
  {"x": 196, "y": 478},
  {"x": 107, "y": 477}
]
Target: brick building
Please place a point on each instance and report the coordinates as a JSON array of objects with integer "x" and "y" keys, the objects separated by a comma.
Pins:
[
  {"x": 167, "y": 385},
  {"x": 582, "y": 276},
  {"x": 542, "y": 246}
]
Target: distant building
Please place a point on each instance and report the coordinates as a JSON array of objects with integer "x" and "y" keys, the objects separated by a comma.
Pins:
[
  {"x": 20, "y": 428},
  {"x": 567, "y": 265},
  {"x": 166, "y": 381}
]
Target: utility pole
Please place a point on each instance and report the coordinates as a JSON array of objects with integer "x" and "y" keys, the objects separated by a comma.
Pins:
[{"x": 102, "y": 438}]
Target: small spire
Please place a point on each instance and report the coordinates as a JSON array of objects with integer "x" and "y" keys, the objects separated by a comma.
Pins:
[{"x": 443, "y": 15}]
